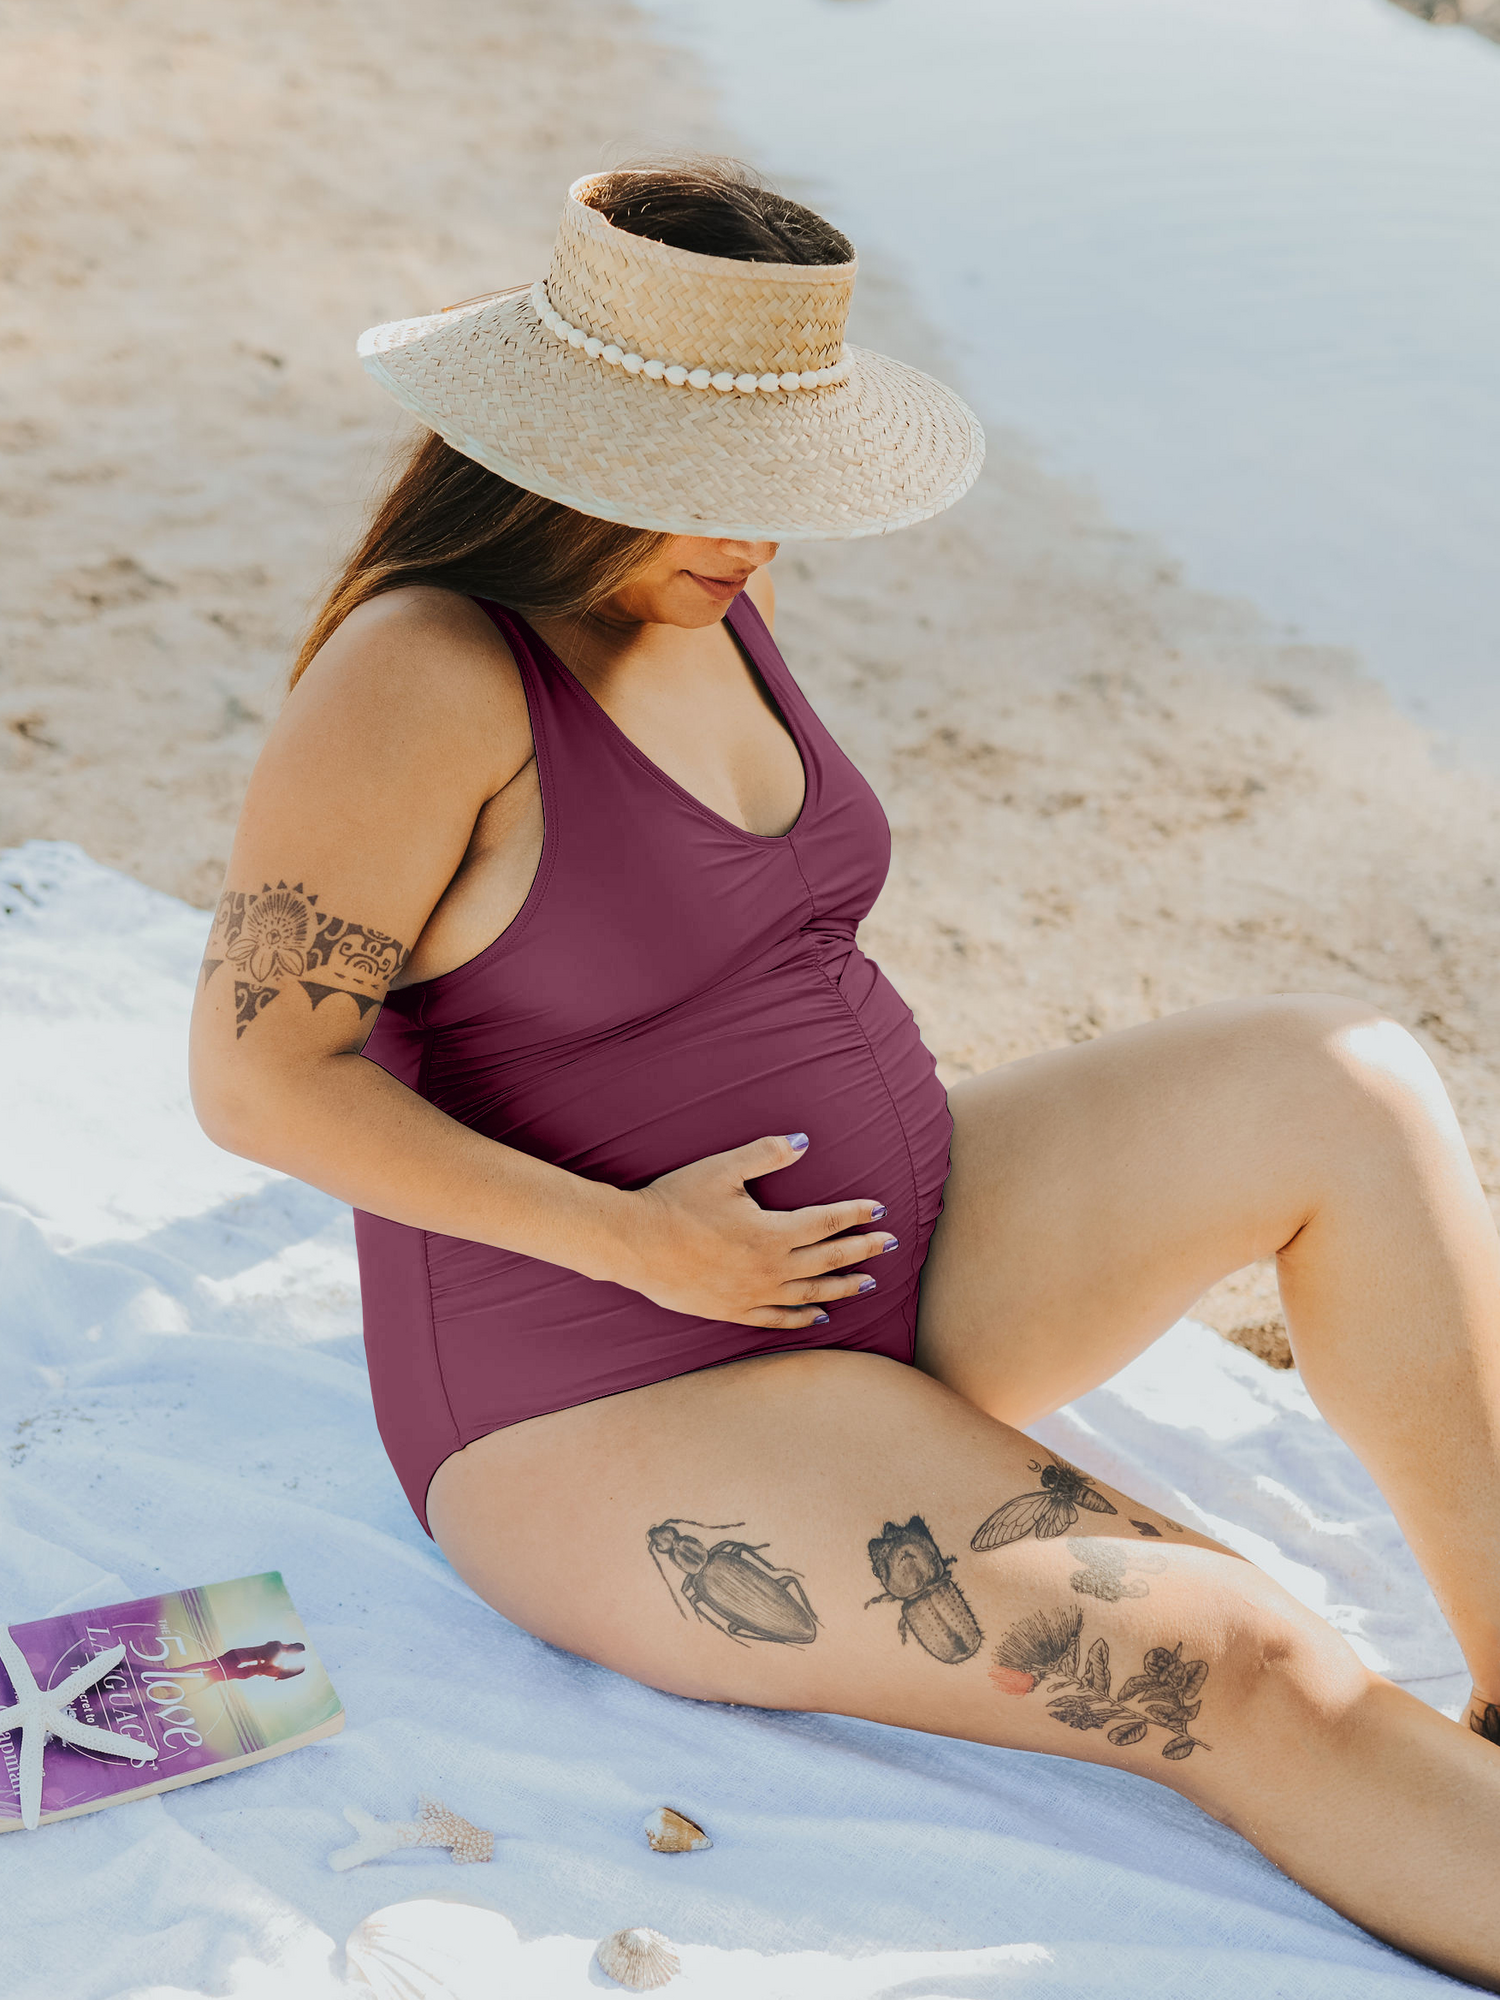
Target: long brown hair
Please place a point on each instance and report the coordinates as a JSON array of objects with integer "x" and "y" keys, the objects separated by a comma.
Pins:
[{"x": 448, "y": 521}]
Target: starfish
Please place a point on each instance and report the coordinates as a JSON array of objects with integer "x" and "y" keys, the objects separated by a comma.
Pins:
[{"x": 42, "y": 1712}]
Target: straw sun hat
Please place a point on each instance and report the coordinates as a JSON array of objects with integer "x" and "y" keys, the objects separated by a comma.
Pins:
[{"x": 697, "y": 395}]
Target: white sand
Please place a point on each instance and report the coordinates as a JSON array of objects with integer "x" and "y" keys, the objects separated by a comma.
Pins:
[{"x": 1112, "y": 797}]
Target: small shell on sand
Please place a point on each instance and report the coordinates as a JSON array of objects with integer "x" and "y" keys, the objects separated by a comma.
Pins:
[
  {"x": 639, "y": 1959},
  {"x": 674, "y": 1833}
]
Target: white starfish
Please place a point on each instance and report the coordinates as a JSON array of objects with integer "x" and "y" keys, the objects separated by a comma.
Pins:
[{"x": 42, "y": 1712}]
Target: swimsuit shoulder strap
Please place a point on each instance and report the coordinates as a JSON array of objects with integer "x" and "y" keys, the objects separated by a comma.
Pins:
[
  {"x": 755, "y": 638},
  {"x": 818, "y": 748}
]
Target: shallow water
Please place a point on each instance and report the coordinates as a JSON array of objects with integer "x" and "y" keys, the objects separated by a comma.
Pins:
[{"x": 1235, "y": 262}]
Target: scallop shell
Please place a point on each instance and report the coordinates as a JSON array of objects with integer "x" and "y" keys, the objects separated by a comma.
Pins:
[
  {"x": 670, "y": 1832},
  {"x": 434, "y": 1948},
  {"x": 639, "y": 1959}
]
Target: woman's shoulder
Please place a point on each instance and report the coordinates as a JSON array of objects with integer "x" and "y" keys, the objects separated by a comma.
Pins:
[
  {"x": 422, "y": 664},
  {"x": 423, "y": 629}
]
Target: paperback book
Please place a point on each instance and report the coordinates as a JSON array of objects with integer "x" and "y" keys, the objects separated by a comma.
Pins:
[{"x": 213, "y": 1678}]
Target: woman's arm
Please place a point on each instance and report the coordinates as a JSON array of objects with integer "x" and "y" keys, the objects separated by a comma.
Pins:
[{"x": 359, "y": 812}]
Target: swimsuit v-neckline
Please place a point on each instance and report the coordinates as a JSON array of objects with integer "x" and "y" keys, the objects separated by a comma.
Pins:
[{"x": 780, "y": 708}]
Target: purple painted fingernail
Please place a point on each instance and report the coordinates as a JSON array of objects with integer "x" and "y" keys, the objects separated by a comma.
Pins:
[
  {"x": 797, "y": 1141},
  {"x": 867, "y": 1284},
  {"x": 820, "y": 1319},
  {"x": 893, "y": 1243},
  {"x": 877, "y": 1214}
]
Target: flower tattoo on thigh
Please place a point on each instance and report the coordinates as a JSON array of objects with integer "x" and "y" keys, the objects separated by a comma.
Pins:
[
  {"x": 276, "y": 937},
  {"x": 1103, "y": 1567},
  {"x": 1043, "y": 1651}
]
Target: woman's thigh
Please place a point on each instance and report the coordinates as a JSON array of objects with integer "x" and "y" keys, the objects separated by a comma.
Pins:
[
  {"x": 1097, "y": 1191},
  {"x": 838, "y": 1532}
]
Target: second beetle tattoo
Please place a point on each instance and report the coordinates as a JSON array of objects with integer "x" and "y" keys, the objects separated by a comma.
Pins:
[{"x": 934, "y": 1611}]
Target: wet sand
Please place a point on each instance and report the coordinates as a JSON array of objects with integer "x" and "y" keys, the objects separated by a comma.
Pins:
[{"x": 1112, "y": 796}]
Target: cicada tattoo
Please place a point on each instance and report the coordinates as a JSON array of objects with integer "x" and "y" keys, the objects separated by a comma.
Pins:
[
  {"x": 1050, "y": 1512},
  {"x": 733, "y": 1587},
  {"x": 934, "y": 1611},
  {"x": 1486, "y": 1722}
]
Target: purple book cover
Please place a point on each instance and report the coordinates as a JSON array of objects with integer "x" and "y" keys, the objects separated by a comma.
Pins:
[{"x": 215, "y": 1678}]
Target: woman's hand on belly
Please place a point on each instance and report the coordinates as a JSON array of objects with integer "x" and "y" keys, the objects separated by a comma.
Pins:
[{"x": 700, "y": 1243}]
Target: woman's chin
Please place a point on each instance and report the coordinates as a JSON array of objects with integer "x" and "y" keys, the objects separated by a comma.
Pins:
[{"x": 692, "y": 607}]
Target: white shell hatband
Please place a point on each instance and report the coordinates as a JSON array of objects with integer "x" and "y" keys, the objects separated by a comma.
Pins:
[{"x": 722, "y": 379}]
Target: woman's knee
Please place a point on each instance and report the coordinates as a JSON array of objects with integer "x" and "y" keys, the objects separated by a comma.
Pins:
[
  {"x": 1342, "y": 1062},
  {"x": 1342, "y": 1039},
  {"x": 1287, "y": 1682}
]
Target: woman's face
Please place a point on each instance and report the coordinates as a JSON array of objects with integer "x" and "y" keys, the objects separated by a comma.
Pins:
[{"x": 691, "y": 582}]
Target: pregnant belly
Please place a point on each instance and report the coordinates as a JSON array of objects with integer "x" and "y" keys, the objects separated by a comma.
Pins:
[{"x": 823, "y": 1045}]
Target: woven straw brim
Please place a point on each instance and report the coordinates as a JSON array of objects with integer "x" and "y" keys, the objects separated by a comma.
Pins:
[{"x": 884, "y": 449}]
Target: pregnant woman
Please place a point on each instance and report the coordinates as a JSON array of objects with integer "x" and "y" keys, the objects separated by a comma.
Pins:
[{"x": 538, "y": 946}]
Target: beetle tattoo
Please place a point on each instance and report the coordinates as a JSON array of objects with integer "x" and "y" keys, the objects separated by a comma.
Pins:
[
  {"x": 1050, "y": 1512},
  {"x": 934, "y": 1611},
  {"x": 733, "y": 1587}
]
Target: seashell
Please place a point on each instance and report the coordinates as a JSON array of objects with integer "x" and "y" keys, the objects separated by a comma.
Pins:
[
  {"x": 639, "y": 1959},
  {"x": 669, "y": 1832},
  {"x": 434, "y": 1948}
]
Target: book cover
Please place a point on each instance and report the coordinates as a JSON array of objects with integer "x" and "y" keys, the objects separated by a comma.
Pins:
[{"x": 215, "y": 1678}]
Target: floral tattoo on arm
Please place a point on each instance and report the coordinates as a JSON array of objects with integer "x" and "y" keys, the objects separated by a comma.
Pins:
[{"x": 279, "y": 936}]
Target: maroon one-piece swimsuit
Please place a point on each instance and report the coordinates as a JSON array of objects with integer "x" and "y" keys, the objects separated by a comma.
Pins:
[{"x": 672, "y": 986}]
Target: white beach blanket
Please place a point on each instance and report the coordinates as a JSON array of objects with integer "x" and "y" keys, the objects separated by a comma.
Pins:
[{"x": 185, "y": 1400}]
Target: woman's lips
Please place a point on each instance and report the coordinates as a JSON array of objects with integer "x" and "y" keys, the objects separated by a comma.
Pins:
[{"x": 720, "y": 587}]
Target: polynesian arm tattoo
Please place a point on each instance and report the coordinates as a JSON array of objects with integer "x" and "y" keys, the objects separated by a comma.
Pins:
[
  {"x": 278, "y": 936},
  {"x": 1044, "y": 1650},
  {"x": 731, "y": 1585}
]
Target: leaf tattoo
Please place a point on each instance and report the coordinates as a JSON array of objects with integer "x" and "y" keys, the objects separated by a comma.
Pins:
[
  {"x": 1043, "y": 1649},
  {"x": 1487, "y": 1723},
  {"x": 1052, "y": 1511},
  {"x": 280, "y": 935}
]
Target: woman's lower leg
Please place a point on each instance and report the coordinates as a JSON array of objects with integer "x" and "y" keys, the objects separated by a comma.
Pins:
[
  {"x": 1392, "y": 1296},
  {"x": 1097, "y": 1191}
]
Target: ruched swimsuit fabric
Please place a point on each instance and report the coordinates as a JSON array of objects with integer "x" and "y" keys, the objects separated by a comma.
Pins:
[{"x": 673, "y": 986}]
